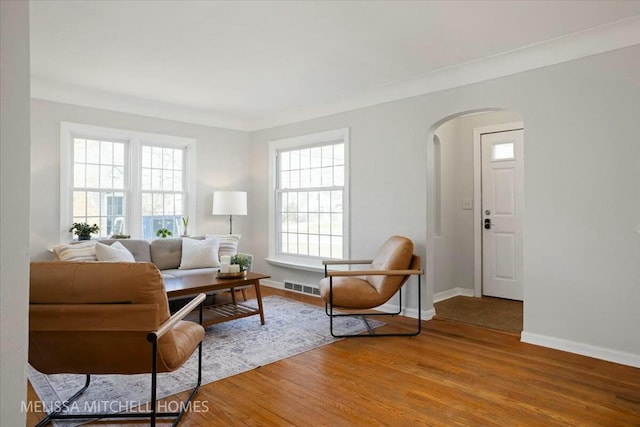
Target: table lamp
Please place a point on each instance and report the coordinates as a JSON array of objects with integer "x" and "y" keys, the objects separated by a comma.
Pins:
[{"x": 229, "y": 203}]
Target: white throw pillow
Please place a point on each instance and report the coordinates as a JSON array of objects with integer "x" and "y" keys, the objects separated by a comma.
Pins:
[
  {"x": 114, "y": 253},
  {"x": 199, "y": 253},
  {"x": 85, "y": 251},
  {"x": 228, "y": 243}
]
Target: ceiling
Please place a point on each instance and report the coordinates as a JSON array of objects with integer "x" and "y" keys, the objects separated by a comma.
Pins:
[{"x": 255, "y": 64}]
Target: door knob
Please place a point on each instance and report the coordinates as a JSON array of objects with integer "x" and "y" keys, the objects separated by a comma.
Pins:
[{"x": 487, "y": 223}]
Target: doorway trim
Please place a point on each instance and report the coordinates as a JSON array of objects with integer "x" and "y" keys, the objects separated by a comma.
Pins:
[
  {"x": 477, "y": 197},
  {"x": 431, "y": 199}
]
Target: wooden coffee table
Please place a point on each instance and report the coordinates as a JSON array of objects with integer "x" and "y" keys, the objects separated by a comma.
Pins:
[{"x": 208, "y": 283}]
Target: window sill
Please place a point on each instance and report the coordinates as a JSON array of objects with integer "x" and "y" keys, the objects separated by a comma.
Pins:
[{"x": 295, "y": 265}]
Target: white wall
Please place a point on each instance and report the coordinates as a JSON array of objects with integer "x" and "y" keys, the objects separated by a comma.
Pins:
[
  {"x": 221, "y": 164},
  {"x": 14, "y": 209},
  {"x": 582, "y": 169},
  {"x": 453, "y": 248},
  {"x": 387, "y": 178}
]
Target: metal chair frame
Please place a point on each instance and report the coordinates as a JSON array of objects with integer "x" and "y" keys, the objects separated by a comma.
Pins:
[{"x": 329, "y": 306}]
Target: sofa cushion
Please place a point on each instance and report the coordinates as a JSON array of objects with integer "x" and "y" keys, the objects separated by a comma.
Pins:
[
  {"x": 82, "y": 251},
  {"x": 115, "y": 252},
  {"x": 199, "y": 253},
  {"x": 228, "y": 243},
  {"x": 166, "y": 253},
  {"x": 138, "y": 248}
]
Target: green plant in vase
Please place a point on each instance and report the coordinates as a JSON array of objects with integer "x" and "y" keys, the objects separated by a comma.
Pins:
[
  {"x": 83, "y": 230},
  {"x": 242, "y": 261},
  {"x": 185, "y": 224}
]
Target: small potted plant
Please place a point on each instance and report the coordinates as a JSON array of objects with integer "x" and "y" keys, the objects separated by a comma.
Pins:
[
  {"x": 164, "y": 233},
  {"x": 242, "y": 261},
  {"x": 83, "y": 230}
]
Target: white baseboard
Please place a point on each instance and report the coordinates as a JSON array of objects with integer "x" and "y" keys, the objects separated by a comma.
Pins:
[
  {"x": 450, "y": 293},
  {"x": 408, "y": 312},
  {"x": 582, "y": 349},
  {"x": 272, "y": 283}
]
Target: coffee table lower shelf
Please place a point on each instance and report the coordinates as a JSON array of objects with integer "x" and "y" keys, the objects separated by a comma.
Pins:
[
  {"x": 219, "y": 313},
  {"x": 214, "y": 311}
]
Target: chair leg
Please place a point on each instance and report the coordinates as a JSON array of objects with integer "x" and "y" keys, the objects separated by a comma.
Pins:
[
  {"x": 331, "y": 314},
  {"x": 64, "y": 405}
]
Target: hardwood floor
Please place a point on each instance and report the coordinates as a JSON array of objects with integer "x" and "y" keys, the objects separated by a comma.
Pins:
[
  {"x": 450, "y": 375},
  {"x": 489, "y": 312}
]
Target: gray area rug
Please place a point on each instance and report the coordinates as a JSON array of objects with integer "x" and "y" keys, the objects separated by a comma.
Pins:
[{"x": 229, "y": 348}]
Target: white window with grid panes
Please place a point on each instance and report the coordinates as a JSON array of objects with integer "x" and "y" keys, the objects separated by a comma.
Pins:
[
  {"x": 99, "y": 175},
  {"x": 126, "y": 182},
  {"x": 163, "y": 189},
  {"x": 309, "y": 204}
]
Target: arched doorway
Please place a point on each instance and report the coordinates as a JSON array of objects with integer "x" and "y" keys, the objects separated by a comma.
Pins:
[{"x": 454, "y": 264}]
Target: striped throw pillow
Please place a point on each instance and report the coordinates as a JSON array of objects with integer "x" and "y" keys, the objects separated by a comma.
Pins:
[
  {"x": 85, "y": 251},
  {"x": 228, "y": 244}
]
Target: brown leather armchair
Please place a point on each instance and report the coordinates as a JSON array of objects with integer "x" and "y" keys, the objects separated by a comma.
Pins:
[
  {"x": 108, "y": 318},
  {"x": 389, "y": 270}
]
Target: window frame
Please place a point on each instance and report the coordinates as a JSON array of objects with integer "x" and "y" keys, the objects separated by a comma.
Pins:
[
  {"x": 134, "y": 141},
  {"x": 310, "y": 263}
]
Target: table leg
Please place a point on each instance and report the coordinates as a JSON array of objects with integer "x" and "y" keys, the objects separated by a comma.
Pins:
[{"x": 259, "y": 298}]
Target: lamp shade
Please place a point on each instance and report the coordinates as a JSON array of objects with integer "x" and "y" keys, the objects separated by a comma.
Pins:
[{"x": 229, "y": 203}]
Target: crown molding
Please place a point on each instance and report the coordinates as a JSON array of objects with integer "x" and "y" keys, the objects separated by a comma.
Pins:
[
  {"x": 87, "y": 97},
  {"x": 590, "y": 42},
  {"x": 617, "y": 35}
]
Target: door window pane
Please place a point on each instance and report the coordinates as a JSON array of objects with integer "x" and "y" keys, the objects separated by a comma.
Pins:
[{"x": 503, "y": 151}]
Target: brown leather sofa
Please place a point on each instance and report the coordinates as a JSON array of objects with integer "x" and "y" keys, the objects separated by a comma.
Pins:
[{"x": 107, "y": 318}]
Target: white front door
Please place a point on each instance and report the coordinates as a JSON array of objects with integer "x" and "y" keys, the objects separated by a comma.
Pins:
[{"x": 502, "y": 207}]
